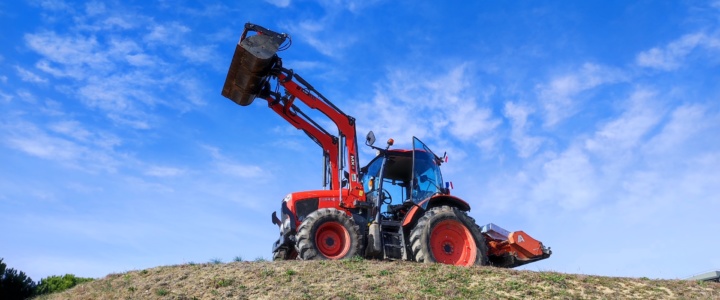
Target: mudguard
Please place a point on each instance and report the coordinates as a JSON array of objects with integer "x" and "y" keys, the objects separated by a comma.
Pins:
[{"x": 436, "y": 200}]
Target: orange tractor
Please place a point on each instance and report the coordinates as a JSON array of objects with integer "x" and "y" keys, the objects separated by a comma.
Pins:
[{"x": 395, "y": 207}]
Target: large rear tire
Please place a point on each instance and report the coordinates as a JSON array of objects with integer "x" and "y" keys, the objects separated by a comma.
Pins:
[
  {"x": 328, "y": 233},
  {"x": 448, "y": 235}
]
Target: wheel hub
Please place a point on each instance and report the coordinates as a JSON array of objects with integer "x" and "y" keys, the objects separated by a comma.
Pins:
[
  {"x": 448, "y": 248},
  {"x": 332, "y": 240}
]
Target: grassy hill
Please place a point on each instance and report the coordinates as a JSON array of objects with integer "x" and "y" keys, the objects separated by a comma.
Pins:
[{"x": 363, "y": 279}]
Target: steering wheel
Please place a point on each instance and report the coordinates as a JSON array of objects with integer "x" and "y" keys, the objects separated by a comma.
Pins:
[{"x": 388, "y": 199}]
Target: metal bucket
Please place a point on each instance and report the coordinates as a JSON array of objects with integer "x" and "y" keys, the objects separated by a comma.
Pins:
[{"x": 251, "y": 64}]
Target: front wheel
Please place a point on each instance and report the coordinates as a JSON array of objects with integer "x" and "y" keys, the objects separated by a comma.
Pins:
[
  {"x": 448, "y": 235},
  {"x": 328, "y": 233}
]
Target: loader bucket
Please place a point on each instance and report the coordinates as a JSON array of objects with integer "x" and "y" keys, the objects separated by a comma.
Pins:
[{"x": 252, "y": 61}]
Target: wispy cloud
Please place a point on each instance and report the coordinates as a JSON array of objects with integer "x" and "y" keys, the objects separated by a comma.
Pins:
[
  {"x": 28, "y": 76},
  {"x": 72, "y": 129},
  {"x": 230, "y": 167},
  {"x": 201, "y": 54},
  {"x": 620, "y": 136},
  {"x": 431, "y": 104},
  {"x": 5, "y": 97},
  {"x": 686, "y": 122},
  {"x": 320, "y": 35},
  {"x": 32, "y": 140},
  {"x": 525, "y": 144},
  {"x": 170, "y": 33},
  {"x": 322, "y": 32},
  {"x": 279, "y": 3},
  {"x": 70, "y": 50},
  {"x": 53, "y": 4},
  {"x": 569, "y": 181},
  {"x": 354, "y": 6},
  {"x": 672, "y": 56},
  {"x": 561, "y": 96},
  {"x": 163, "y": 171},
  {"x": 117, "y": 73},
  {"x": 636, "y": 155}
]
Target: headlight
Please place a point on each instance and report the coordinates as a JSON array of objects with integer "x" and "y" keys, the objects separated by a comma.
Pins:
[
  {"x": 285, "y": 225},
  {"x": 287, "y": 198}
]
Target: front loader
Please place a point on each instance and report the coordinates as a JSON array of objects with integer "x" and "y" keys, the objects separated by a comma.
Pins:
[{"x": 397, "y": 207}]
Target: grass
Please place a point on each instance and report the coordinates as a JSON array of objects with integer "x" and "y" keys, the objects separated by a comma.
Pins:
[
  {"x": 224, "y": 282},
  {"x": 372, "y": 280},
  {"x": 216, "y": 261},
  {"x": 162, "y": 292}
]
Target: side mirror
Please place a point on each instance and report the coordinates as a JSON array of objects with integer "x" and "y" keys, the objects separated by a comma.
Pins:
[{"x": 370, "y": 138}]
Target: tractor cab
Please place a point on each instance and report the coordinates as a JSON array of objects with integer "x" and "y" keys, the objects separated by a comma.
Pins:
[{"x": 397, "y": 179}]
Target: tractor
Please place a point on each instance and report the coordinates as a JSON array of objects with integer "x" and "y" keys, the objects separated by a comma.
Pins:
[{"x": 397, "y": 207}]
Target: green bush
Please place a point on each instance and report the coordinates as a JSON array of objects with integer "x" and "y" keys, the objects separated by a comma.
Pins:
[
  {"x": 53, "y": 284},
  {"x": 14, "y": 284}
]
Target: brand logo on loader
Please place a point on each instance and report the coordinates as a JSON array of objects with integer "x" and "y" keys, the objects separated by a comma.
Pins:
[{"x": 520, "y": 239}]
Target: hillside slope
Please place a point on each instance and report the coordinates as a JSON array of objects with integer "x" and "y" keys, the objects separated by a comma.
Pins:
[{"x": 361, "y": 279}]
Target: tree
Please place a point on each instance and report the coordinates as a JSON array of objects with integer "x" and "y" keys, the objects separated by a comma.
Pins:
[
  {"x": 14, "y": 284},
  {"x": 53, "y": 284}
]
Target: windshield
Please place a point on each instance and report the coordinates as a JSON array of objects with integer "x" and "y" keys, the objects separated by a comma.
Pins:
[{"x": 427, "y": 179}]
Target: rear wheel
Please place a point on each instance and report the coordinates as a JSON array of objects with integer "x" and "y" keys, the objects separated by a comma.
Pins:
[
  {"x": 448, "y": 235},
  {"x": 328, "y": 233}
]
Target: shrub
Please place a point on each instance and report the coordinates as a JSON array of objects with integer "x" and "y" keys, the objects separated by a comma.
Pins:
[{"x": 54, "y": 284}]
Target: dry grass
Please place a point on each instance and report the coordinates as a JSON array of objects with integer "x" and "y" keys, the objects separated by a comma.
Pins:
[{"x": 361, "y": 279}]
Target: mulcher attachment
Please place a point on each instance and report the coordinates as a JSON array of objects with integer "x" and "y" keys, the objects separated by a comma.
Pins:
[
  {"x": 251, "y": 64},
  {"x": 512, "y": 249}
]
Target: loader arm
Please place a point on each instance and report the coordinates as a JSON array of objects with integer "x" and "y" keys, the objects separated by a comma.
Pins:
[
  {"x": 256, "y": 71},
  {"x": 326, "y": 141}
]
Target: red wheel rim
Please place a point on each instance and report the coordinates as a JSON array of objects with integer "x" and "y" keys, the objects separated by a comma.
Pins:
[
  {"x": 452, "y": 243},
  {"x": 332, "y": 240}
]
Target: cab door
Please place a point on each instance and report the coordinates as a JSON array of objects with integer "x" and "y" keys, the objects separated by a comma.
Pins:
[{"x": 427, "y": 178}]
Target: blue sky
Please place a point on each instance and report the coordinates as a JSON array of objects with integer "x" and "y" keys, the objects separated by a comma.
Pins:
[{"x": 592, "y": 125}]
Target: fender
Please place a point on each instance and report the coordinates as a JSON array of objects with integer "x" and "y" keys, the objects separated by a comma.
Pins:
[{"x": 436, "y": 200}]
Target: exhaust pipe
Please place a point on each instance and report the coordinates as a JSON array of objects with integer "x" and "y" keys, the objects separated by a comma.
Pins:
[{"x": 251, "y": 64}]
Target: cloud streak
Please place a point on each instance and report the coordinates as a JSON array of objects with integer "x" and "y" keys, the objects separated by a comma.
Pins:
[
  {"x": 117, "y": 74},
  {"x": 562, "y": 96},
  {"x": 430, "y": 105},
  {"x": 94, "y": 155},
  {"x": 673, "y": 55}
]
